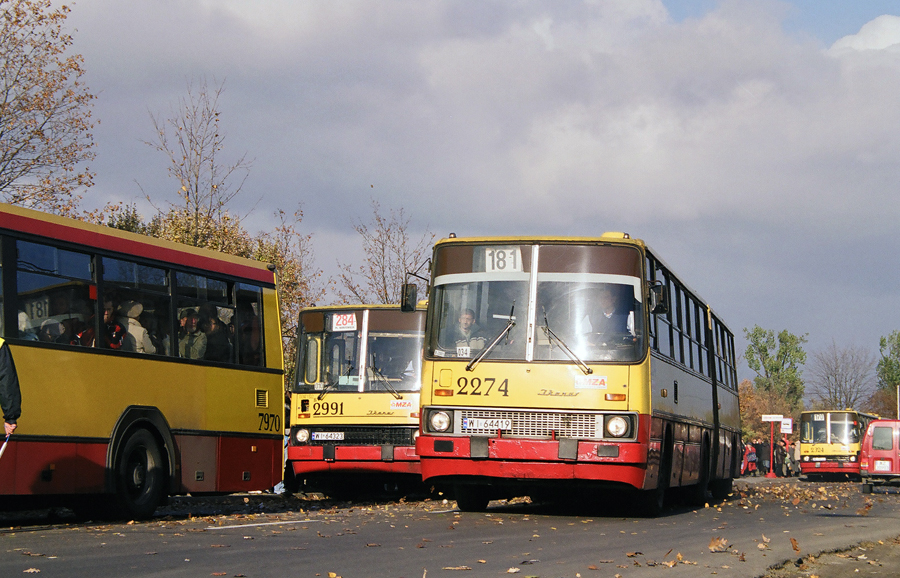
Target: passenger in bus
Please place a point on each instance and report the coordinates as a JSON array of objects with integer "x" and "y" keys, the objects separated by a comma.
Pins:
[
  {"x": 609, "y": 318},
  {"x": 250, "y": 339},
  {"x": 191, "y": 345},
  {"x": 136, "y": 337},
  {"x": 51, "y": 331},
  {"x": 113, "y": 332},
  {"x": 25, "y": 329},
  {"x": 467, "y": 335},
  {"x": 218, "y": 347}
]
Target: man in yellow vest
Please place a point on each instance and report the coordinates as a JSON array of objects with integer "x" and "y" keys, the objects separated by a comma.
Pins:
[{"x": 10, "y": 396}]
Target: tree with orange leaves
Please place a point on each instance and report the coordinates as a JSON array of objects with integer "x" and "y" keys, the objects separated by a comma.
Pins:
[{"x": 45, "y": 110}]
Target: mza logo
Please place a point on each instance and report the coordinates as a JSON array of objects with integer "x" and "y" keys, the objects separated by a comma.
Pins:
[
  {"x": 589, "y": 382},
  {"x": 401, "y": 404}
]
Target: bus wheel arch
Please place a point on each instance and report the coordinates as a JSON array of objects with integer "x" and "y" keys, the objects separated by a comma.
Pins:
[
  {"x": 141, "y": 461},
  {"x": 654, "y": 501}
]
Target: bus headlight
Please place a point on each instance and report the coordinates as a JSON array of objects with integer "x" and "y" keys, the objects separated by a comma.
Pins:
[
  {"x": 617, "y": 426},
  {"x": 439, "y": 421},
  {"x": 302, "y": 436}
]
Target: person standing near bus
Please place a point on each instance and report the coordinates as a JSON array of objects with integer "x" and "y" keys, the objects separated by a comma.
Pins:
[{"x": 10, "y": 395}]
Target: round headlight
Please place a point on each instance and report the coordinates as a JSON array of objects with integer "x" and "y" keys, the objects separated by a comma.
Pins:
[
  {"x": 302, "y": 436},
  {"x": 852, "y": 458},
  {"x": 805, "y": 458},
  {"x": 439, "y": 421},
  {"x": 617, "y": 426}
]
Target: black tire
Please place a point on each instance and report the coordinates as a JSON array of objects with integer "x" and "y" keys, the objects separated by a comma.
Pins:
[
  {"x": 471, "y": 499},
  {"x": 721, "y": 489},
  {"x": 140, "y": 476},
  {"x": 698, "y": 494},
  {"x": 653, "y": 502},
  {"x": 866, "y": 488}
]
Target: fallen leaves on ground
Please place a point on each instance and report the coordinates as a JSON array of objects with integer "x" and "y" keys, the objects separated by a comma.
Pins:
[{"x": 718, "y": 545}]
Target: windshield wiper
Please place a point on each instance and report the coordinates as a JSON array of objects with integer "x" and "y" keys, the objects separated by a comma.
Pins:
[
  {"x": 510, "y": 323},
  {"x": 562, "y": 344},
  {"x": 332, "y": 385},
  {"x": 384, "y": 381}
]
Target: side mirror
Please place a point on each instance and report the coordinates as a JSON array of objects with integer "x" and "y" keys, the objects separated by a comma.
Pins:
[
  {"x": 659, "y": 299},
  {"x": 408, "y": 297}
]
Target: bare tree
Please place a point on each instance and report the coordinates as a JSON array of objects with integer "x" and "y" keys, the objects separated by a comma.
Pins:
[
  {"x": 390, "y": 254},
  {"x": 841, "y": 378},
  {"x": 192, "y": 139},
  {"x": 45, "y": 110}
]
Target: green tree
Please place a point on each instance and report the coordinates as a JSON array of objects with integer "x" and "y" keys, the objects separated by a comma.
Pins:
[
  {"x": 45, "y": 110},
  {"x": 777, "y": 361},
  {"x": 884, "y": 400}
]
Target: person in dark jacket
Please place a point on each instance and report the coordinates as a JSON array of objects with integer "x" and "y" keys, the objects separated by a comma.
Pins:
[{"x": 10, "y": 396}]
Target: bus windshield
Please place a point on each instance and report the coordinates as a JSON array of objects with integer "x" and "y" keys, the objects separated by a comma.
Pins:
[
  {"x": 334, "y": 346},
  {"x": 838, "y": 428},
  {"x": 550, "y": 302}
]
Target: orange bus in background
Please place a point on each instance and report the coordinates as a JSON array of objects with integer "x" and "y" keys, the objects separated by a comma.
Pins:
[
  {"x": 147, "y": 368},
  {"x": 355, "y": 400}
]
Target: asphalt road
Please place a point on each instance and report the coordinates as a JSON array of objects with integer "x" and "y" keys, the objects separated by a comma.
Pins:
[{"x": 763, "y": 525}]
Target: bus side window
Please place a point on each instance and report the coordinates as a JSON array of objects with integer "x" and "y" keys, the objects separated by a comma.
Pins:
[
  {"x": 312, "y": 360},
  {"x": 249, "y": 332},
  {"x": 53, "y": 287}
]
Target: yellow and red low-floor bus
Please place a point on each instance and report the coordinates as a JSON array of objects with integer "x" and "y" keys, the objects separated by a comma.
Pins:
[
  {"x": 830, "y": 442},
  {"x": 355, "y": 400},
  {"x": 147, "y": 368},
  {"x": 553, "y": 365}
]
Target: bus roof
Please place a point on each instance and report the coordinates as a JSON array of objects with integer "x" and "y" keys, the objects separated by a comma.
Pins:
[
  {"x": 101, "y": 237},
  {"x": 604, "y": 238}
]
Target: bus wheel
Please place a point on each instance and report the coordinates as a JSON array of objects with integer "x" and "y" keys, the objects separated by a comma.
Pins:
[
  {"x": 721, "y": 489},
  {"x": 653, "y": 502},
  {"x": 471, "y": 499},
  {"x": 140, "y": 476},
  {"x": 698, "y": 494}
]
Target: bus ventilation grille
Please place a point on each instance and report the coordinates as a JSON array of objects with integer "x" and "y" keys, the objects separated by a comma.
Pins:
[
  {"x": 541, "y": 424},
  {"x": 262, "y": 398}
]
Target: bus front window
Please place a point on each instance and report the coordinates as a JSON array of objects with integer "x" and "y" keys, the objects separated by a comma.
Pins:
[
  {"x": 394, "y": 362},
  {"x": 470, "y": 316},
  {"x": 595, "y": 320}
]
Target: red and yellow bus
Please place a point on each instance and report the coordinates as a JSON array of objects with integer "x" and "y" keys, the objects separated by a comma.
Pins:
[
  {"x": 830, "y": 442},
  {"x": 147, "y": 368},
  {"x": 355, "y": 401},
  {"x": 558, "y": 364}
]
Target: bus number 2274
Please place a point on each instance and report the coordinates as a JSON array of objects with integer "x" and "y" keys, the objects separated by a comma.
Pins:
[{"x": 478, "y": 386}]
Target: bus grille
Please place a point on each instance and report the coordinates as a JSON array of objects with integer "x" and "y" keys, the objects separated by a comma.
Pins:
[
  {"x": 369, "y": 436},
  {"x": 540, "y": 423}
]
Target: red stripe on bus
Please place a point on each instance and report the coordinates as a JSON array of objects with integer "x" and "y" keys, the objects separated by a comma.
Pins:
[{"x": 131, "y": 247}]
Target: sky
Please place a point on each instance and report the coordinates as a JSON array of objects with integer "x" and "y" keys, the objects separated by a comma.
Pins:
[{"x": 754, "y": 145}]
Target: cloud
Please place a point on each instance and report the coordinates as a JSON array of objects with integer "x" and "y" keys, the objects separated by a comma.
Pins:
[
  {"x": 761, "y": 166},
  {"x": 879, "y": 34}
]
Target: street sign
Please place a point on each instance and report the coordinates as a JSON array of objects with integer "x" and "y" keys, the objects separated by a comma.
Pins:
[
  {"x": 787, "y": 425},
  {"x": 771, "y": 417}
]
